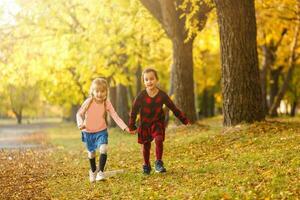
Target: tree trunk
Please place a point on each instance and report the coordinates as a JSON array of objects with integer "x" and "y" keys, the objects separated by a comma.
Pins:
[
  {"x": 294, "y": 108},
  {"x": 122, "y": 103},
  {"x": 183, "y": 81},
  {"x": 242, "y": 96},
  {"x": 212, "y": 105},
  {"x": 138, "y": 75},
  {"x": 19, "y": 117},
  {"x": 207, "y": 103},
  {"x": 170, "y": 93},
  {"x": 113, "y": 100},
  {"x": 74, "y": 109},
  {"x": 204, "y": 104},
  {"x": 274, "y": 84},
  {"x": 267, "y": 64},
  {"x": 130, "y": 94}
]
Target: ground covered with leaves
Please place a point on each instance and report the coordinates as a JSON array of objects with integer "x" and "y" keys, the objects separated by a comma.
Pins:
[
  {"x": 23, "y": 173},
  {"x": 203, "y": 161}
]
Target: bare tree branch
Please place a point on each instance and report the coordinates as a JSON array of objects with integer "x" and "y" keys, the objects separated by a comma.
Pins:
[
  {"x": 71, "y": 12},
  {"x": 284, "y": 31},
  {"x": 77, "y": 82}
]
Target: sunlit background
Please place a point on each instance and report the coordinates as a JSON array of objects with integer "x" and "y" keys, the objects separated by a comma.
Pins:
[{"x": 51, "y": 50}]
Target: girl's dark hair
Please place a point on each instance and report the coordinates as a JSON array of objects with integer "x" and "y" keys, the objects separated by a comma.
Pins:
[{"x": 147, "y": 70}]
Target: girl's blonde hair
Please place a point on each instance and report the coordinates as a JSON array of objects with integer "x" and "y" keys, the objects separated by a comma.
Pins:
[{"x": 102, "y": 84}]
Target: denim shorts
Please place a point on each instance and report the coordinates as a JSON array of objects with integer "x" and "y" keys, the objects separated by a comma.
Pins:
[{"x": 94, "y": 140}]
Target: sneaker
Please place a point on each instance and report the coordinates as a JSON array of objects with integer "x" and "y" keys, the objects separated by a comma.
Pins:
[
  {"x": 159, "y": 166},
  {"x": 146, "y": 169},
  {"x": 92, "y": 175},
  {"x": 100, "y": 176}
]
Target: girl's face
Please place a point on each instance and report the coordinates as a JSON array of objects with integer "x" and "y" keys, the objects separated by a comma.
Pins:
[
  {"x": 150, "y": 81},
  {"x": 99, "y": 93}
]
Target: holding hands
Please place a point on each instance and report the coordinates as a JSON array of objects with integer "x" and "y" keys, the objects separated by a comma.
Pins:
[{"x": 129, "y": 131}]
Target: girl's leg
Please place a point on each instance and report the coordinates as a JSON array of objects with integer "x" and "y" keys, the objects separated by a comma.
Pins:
[
  {"x": 92, "y": 159},
  {"x": 159, "y": 147},
  {"x": 159, "y": 165},
  {"x": 146, "y": 153},
  {"x": 103, "y": 157}
]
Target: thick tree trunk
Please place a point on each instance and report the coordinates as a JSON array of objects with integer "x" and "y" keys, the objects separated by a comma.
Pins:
[
  {"x": 113, "y": 100},
  {"x": 182, "y": 74},
  {"x": 122, "y": 103},
  {"x": 242, "y": 97},
  {"x": 170, "y": 93}
]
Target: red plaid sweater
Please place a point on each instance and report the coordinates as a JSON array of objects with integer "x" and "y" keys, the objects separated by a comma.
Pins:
[{"x": 151, "y": 123}]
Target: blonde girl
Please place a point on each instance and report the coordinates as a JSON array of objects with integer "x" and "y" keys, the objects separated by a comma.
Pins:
[{"x": 91, "y": 121}]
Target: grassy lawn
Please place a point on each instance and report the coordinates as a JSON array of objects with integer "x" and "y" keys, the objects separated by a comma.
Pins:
[{"x": 203, "y": 161}]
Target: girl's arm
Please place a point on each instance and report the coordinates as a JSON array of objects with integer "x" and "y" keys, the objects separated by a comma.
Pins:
[
  {"x": 80, "y": 115},
  {"x": 115, "y": 116},
  {"x": 169, "y": 103},
  {"x": 133, "y": 114}
]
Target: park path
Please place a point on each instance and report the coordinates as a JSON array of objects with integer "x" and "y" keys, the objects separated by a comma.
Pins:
[{"x": 15, "y": 136}]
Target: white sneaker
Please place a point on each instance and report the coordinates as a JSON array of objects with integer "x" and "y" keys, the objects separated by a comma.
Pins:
[
  {"x": 92, "y": 175},
  {"x": 100, "y": 176}
]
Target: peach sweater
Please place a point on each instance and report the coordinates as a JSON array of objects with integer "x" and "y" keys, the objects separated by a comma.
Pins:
[{"x": 93, "y": 117}]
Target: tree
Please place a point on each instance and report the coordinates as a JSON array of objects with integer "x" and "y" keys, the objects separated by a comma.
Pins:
[
  {"x": 169, "y": 15},
  {"x": 22, "y": 98},
  {"x": 269, "y": 50},
  {"x": 275, "y": 40},
  {"x": 241, "y": 90},
  {"x": 19, "y": 74},
  {"x": 294, "y": 91},
  {"x": 292, "y": 63},
  {"x": 84, "y": 40},
  {"x": 73, "y": 46}
]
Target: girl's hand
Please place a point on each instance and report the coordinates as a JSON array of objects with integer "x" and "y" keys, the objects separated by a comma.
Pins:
[
  {"x": 129, "y": 131},
  {"x": 188, "y": 123},
  {"x": 82, "y": 126}
]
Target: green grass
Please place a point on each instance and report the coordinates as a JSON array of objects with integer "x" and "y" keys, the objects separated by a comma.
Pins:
[{"x": 203, "y": 161}]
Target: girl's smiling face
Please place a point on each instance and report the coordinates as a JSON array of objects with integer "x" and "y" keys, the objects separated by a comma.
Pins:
[
  {"x": 150, "y": 80},
  {"x": 99, "y": 93}
]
